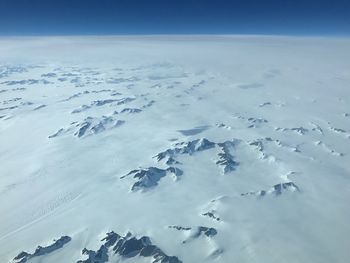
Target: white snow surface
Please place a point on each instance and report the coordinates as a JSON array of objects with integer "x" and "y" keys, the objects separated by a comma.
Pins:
[{"x": 257, "y": 127}]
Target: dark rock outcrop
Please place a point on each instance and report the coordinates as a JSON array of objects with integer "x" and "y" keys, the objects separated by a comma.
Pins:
[
  {"x": 149, "y": 177},
  {"x": 131, "y": 110},
  {"x": 90, "y": 126},
  {"x": 226, "y": 159},
  {"x": 277, "y": 190},
  {"x": 57, "y": 244},
  {"x": 25, "y": 82},
  {"x": 127, "y": 247},
  {"x": 256, "y": 122},
  {"x": 211, "y": 215},
  {"x": 184, "y": 148},
  {"x": 208, "y": 231}
]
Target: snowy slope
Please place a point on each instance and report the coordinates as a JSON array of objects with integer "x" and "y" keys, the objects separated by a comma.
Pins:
[{"x": 174, "y": 149}]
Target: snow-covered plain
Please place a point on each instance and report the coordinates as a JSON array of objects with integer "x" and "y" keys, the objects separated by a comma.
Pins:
[{"x": 211, "y": 148}]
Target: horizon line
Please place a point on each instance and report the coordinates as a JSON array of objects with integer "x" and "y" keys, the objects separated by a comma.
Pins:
[{"x": 179, "y": 34}]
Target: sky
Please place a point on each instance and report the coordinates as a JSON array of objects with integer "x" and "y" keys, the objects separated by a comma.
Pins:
[{"x": 129, "y": 17}]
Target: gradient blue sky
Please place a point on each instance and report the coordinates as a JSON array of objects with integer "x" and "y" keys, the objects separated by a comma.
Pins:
[{"x": 109, "y": 17}]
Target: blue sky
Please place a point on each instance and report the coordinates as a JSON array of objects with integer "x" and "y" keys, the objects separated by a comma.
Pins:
[{"x": 111, "y": 17}]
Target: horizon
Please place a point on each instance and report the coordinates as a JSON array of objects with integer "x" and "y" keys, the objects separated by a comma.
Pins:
[{"x": 344, "y": 36}]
